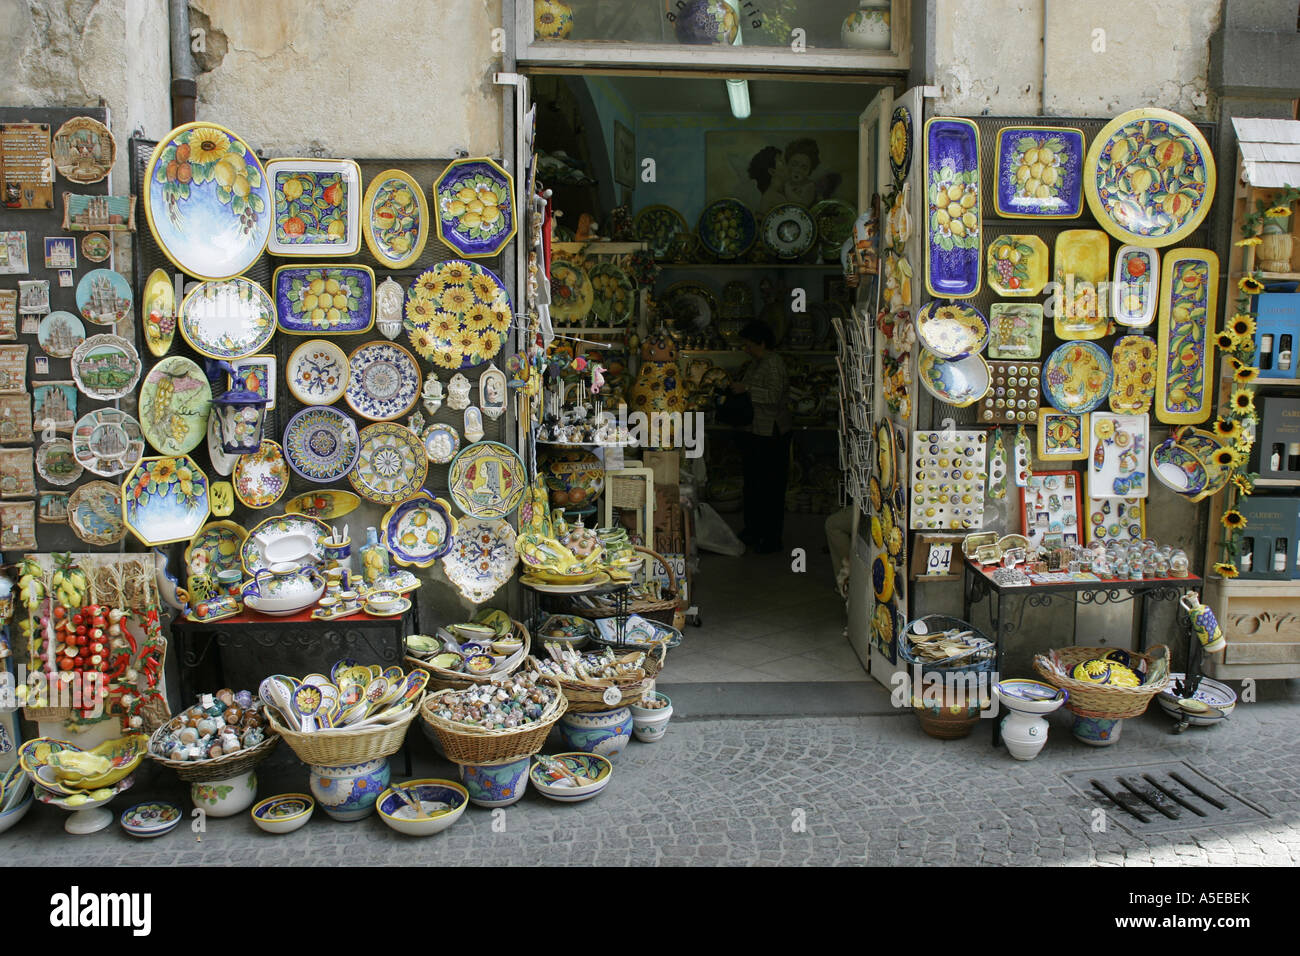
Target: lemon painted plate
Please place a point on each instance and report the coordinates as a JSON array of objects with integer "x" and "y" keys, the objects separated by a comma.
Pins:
[
  {"x": 1189, "y": 283},
  {"x": 395, "y": 219},
  {"x": 476, "y": 212},
  {"x": 572, "y": 294},
  {"x": 419, "y": 530}
]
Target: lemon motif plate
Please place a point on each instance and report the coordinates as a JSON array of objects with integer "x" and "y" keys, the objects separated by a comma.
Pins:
[
  {"x": 1189, "y": 283},
  {"x": 227, "y": 319},
  {"x": 1039, "y": 172},
  {"x": 1017, "y": 265},
  {"x": 217, "y": 546},
  {"x": 317, "y": 207},
  {"x": 419, "y": 530},
  {"x": 395, "y": 219},
  {"x": 1076, "y": 377},
  {"x": 1133, "y": 381},
  {"x": 391, "y": 463},
  {"x": 476, "y": 213},
  {"x": 572, "y": 294},
  {"x": 1082, "y": 264},
  {"x": 488, "y": 480}
]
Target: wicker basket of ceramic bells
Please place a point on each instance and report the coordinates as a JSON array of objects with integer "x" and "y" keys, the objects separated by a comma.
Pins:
[
  {"x": 441, "y": 678},
  {"x": 592, "y": 695},
  {"x": 341, "y": 747},
  {"x": 211, "y": 768},
  {"x": 1090, "y": 698},
  {"x": 665, "y": 609},
  {"x": 469, "y": 743}
]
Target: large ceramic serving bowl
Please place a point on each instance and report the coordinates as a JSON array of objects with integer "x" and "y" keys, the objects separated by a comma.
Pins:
[
  {"x": 1178, "y": 469},
  {"x": 593, "y": 766},
  {"x": 124, "y": 755},
  {"x": 14, "y": 814},
  {"x": 283, "y": 589},
  {"x": 446, "y": 792},
  {"x": 284, "y": 813},
  {"x": 959, "y": 382},
  {"x": 953, "y": 330},
  {"x": 1218, "y": 701}
]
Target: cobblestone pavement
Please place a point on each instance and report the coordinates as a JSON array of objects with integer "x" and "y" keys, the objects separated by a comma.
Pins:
[{"x": 871, "y": 790}]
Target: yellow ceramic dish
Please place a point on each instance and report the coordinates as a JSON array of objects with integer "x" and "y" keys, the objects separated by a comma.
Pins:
[
  {"x": 1189, "y": 281},
  {"x": 1133, "y": 374},
  {"x": 327, "y": 504},
  {"x": 1082, "y": 263},
  {"x": 1017, "y": 265},
  {"x": 124, "y": 755},
  {"x": 395, "y": 219},
  {"x": 158, "y": 313}
]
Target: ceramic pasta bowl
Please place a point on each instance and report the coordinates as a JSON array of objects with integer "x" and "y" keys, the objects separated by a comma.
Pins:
[{"x": 317, "y": 207}]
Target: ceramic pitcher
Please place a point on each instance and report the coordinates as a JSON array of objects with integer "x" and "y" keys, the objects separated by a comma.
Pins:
[{"x": 1204, "y": 624}]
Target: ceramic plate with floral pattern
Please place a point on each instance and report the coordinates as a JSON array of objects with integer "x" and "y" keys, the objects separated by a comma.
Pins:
[
  {"x": 482, "y": 558},
  {"x": 325, "y": 299},
  {"x": 391, "y": 463},
  {"x": 1077, "y": 377},
  {"x": 1039, "y": 170},
  {"x": 419, "y": 530},
  {"x": 165, "y": 499},
  {"x": 488, "y": 480},
  {"x": 1017, "y": 265},
  {"x": 175, "y": 399},
  {"x": 383, "y": 381},
  {"x": 952, "y": 220},
  {"x": 321, "y": 444},
  {"x": 395, "y": 219},
  {"x": 95, "y": 513},
  {"x": 458, "y": 314},
  {"x": 317, "y": 373},
  {"x": 476, "y": 212},
  {"x": 951, "y": 331},
  {"x": 227, "y": 319},
  {"x": 659, "y": 226},
  {"x": 789, "y": 231},
  {"x": 728, "y": 229},
  {"x": 317, "y": 207},
  {"x": 262, "y": 478}
]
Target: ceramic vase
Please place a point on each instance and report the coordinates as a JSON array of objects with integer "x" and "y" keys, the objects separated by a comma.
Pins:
[
  {"x": 1097, "y": 731},
  {"x": 225, "y": 798},
  {"x": 495, "y": 784},
  {"x": 604, "y": 732},
  {"x": 650, "y": 725},
  {"x": 349, "y": 793},
  {"x": 867, "y": 28},
  {"x": 1024, "y": 728},
  {"x": 337, "y": 555},
  {"x": 374, "y": 558}
]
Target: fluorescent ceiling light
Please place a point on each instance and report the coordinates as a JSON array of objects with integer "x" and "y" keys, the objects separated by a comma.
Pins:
[{"x": 738, "y": 96}]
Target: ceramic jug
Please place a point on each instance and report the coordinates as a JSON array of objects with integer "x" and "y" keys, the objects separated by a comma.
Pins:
[
  {"x": 374, "y": 558},
  {"x": 1204, "y": 624}
]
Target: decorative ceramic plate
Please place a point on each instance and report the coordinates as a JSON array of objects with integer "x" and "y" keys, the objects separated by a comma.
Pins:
[
  {"x": 95, "y": 513},
  {"x": 886, "y": 457},
  {"x": 96, "y": 247},
  {"x": 166, "y": 499},
  {"x": 208, "y": 202},
  {"x": 59, "y": 334},
  {"x": 727, "y": 228},
  {"x": 222, "y": 463},
  {"x": 106, "y": 367},
  {"x": 262, "y": 478},
  {"x": 458, "y": 314},
  {"x": 1017, "y": 265},
  {"x": 175, "y": 399},
  {"x": 1178, "y": 469},
  {"x": 575, "y": 477},
  {"x": 321, "y": 444},
  {"x": 488, "y": 480},
  {"x": 317, "y": 207},
  {"x": 1076, "y": 377},
  {"x": 227, "y": 319},
  {"x": 1133, "y": 377},
  {"x": 689, "y": 306},
  {"x": 1082, "y": 266},
  {"x": 1204, "y": 445},
  {"x": 251, "y": 553},
  {"x": 613, "y": 294},
  {"x": 789, "y": 231},
  {"x": 600, "y": 579},
  {"x": 1149, "y": 177},
  {"x": 951, "y": 331},
  {"x": 572, "y": 294},
  {"x": 900, "y": 143},
  {"x": 327, "y": 504},
  {"x": 1189, "y": 282},
  {"x": 317, "y": 373},
  {"x": 482, "y": 558},
  {"x": 874, "y": 494},
  {"x": 959, "y": 382},
  {"x": 834, "y": 219},
  {"x": 158, "y": 312},
  {"x": 151, "y": 819},
  {"x": 391, "y": 463},
  {"x": 395, "y": 219},
  {"x": 383, "y": 381},
  {"x": 952, "y": 220},
  {"x": 56, "y": 464},
  {"x": 1015, "y": 330},
  {"x": 325, "y": 299},
  {"x": 83, "y": 150},
  {"x": 882, "y": 578},
  {"x": 659, "y": 226},
  {"x": 441, "y": 442},
  {"x": 219, "y": 544},
  {"x": 107, "y": 442},
  {"x": 1062, "y": 436},
  {"x": 476, "y": 209},
  {"x": 1039, "y": 173},
  {"x": 419, "y": 530},
  {"x": 104, "y": 297},
  {"x": 1133, "y": 290}
]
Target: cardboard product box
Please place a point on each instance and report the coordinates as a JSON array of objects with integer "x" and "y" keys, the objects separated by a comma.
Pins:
[
  {"x": 1277, "y": 335},
  {"x": 1272, "y": 523},
  {"x": 1278, "y": 441}
]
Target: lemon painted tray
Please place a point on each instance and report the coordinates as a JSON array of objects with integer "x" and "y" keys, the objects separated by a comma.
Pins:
[
  {"x": 1189, "y": 283},
  {"x": 1082, "y": 263}
]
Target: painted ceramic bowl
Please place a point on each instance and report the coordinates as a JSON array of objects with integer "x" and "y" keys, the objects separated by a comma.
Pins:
[
  {"x": 649, "y": 724},
  {"x": 1178, "y": 469},
  {"x": 1030, "y": 696},
  {"x": 67, "y": 776},
  {"x": 443, "y": 802},
  {"x": 959, "y": 382},
  {"x": 605, "y": 732},
  {"x": 1211, "y": 703},
  {"x": 151, "y": 819},
  {"x": 567, "y": 629},
  {"x": 592, "y": 766},
  {"x": 496, "y": 784},
  {"x": 284, "y": 813},
  {"x": 953, "y": 330},
  {"x": 14, "y": 814}
]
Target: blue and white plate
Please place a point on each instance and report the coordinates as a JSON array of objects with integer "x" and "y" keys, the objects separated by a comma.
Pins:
[
  {"x": 383, "y": 381},
  {"x": 252, "y": 551},
  {"x": 227, "y": 319},
  {"x": 419, "y": 530},
  {"x": 441, "y": 442},
  {"x": 321, "y": 443},
  {"x": 151, "y": 819}
]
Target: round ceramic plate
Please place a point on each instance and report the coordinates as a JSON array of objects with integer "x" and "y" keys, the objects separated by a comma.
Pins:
[
  {"x": 614, "y": 295},
  {"x": 107, "y": 442},
  {"x": 882, "y": 578},
  {"x": 958, "y": 382},
  {"x": 321, "y": 444},
  {"x": 165, "y": 499},
  {"x": 659, "y": 226},
  {"x": 261, "y": 479},
  {"x": 951, "y": 331},
  {"x": 60, "y": 333},
  {"x": 886, "y": 456},
  {"x": 104, "y": 297},
  {"x": 95, "y": 513},
  {"x": 317, "y": 373},
  {"x": 96, "y": 247},
  {"x": 572, "y": 294},
  {"x": 476, "y": 213},
  {"x": 83, "y": 150},
  {"x": 689, "y": 306},
  {"x": 419, "y": 530},
  {"x": 252, "y": 553},
  {"x": 488, "y": 480},
  {"x": 391, "y": 463},
  {"x": 789, "y": 231},
  {"x": 227, "y": 319},
  {"x": 834, "y": 219},
  {"x": 106, "y": 367},
  {"x": 728, "y": 229},
  {"x": 383, "y": 381},
  {"x": 395, "y": 219},
  {"x": 207, "y": 201},
  {"x": 175, "y": 400},
  {"x": 222, "y": 463},
  {"x": 900, "y": 142},
  {"x": 874, "y": 495},
  {"x": 1077, "y": 377},
  {"x": 482, "y": 558},
  {"x": 441, "y": 442},
  {"x": 458, "y": 314}
]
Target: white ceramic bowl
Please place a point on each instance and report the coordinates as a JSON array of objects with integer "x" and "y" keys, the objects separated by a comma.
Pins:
[
  {"x": 443, "y": 791},
  {"x": 283, "y": 813},
  {"x": 1219, "y": 697},
  {"x": 290, "y": 547},
  {"x": 13, "y": 815},
  {"x": 592, "y": 763}
]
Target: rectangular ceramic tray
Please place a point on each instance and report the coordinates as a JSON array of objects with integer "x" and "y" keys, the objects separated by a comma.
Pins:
[
  {"x": 952, "y": 217},
  {"x": 1189, "y": 283},
  {"x": 302, "y": 306},
  {"x": 1039, "y": 172},
  {"x": 317, "y": 207}
]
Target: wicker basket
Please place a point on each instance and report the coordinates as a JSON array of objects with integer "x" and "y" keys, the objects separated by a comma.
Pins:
[
  {"x": 442, "y": 679},
  {"x": 979, "y": 662},
  {"x": 468, "y": 744},
  {"x": 1101, "y": 700},
  {"x": 216, "y": 768},
  {"x": 346, "y": 746},
  {"x": 588, "y": 697}
]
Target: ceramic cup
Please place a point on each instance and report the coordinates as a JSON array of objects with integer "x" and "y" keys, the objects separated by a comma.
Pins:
[
  {"x": 230, "y": 581},
  {"x": 337, "y": 553}
]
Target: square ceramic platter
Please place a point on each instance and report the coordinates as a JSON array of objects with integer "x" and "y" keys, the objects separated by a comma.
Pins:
[
  {"x": 1118, "y": 460},
  {"x": 325, "y": 299},
  {"x": 476, "y": 208},
  {"x": 227, "y": 319},
  {"x": 952, "y": 219},
  {"x": 1040, "y": 173},
  {"x": 1017, "y": 265},
  {"x": 1189, "y": 283},
  {"x": 1062, "y": 436},
  {"x": 317, "y": 207},
  {"x": 419, "y": 530},
  {"x": 482, "y": 558},
  {"x": 165, "y": 499}
]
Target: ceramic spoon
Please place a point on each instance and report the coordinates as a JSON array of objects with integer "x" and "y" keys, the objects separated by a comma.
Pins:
[
  {"x": 307, "y": 702},
  {"x": 282, "y": 701},
  {"x": 406, "y": 798}
]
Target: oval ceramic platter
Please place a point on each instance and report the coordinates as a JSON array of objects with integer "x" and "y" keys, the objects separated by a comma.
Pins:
[
  {"x": 317, "y": 207},
  {"x": 207, "y": 201},
  {"x": 458, "y": 314},
  {"x": 572, "y": 294},
  {"x": 1017, "y": 266},
  {"x": 1133, "y": 288},
  {"x": 1082, "y": 265},
  {"x": 1189, "y": 283},
  {"x": 1040, "y": 173},
  {"x": 488, "y": 480},
  {"x": 383, "y": 381},
  {"x": 1149, "y": 177},
  {"x": 952, "y": 221},
  {"x": 60, "y": 333},
  {"x": 165, "y": 499},
  {"x": 104, "y": 297},
  {"x": 325, "y": 299},
  {"x": 886, "y": 456},
  {"x": 727, "y": 228},
  {"x": 1205, "y": 445},
  {"x": 218, "y": 543},
  {"x": 158, "y": 313},
  {"x": 613, "y": 294},
  {"x": 252, "y": 554},
  {"x": 1076, "y": 377},
  {"x": 227, "y": 319},
  {"x": 326, "y": 504},
  {"x": 788, "y": 231},
  {"x": 262, "y": 478},
  {"x": 395, "y": 219},
  {"x": 107, "y": 442},
  {"x": 106, "y": 367},
  {"x": 419, "y": 530},
  {"x": 321, "y": 444},
  {"x": 900, "y": 143},
  {"x": 482, "y": 558},
  {"x": 476, "y": 208},
  {"x": 659, "y": 226},
  {"x": 1133, "y": 380},
  {"x": 953, "y": 330},
  {"x": 175, "y": 399},
  {"x": 317, "y": 373},
  {"x": 391, "y": 463},
  {"x": 958, "y": 382},
  {"x": 95, "y": 513}
]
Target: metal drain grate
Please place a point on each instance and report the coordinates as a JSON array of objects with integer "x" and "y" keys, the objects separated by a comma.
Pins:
[{"x": 1153, "y": 798}]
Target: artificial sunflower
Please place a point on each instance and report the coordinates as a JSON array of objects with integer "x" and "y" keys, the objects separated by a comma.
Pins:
[
  {"x": 1251, "y": 241},
  {"x": 1225, "y": 570},
  {"x": 207, "y": 144},
  {"x": 1226, "y": 428},
  {"x": 1242, "y": 484},
  {"x": 1244, "y": 374},
  {"x": 1250, "y": 285},
  {"x": 1225, "y": 458},
  {"x": 1226, "y": 341},
  {"x": 1242, "y": 325},
  {"x": 1278, "y": 212},
  {"x": 1233, "y": 519},
  {"x": 1243, "y": 400}
]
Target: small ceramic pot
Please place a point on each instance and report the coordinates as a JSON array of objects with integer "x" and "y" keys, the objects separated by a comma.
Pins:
[
  {"x": 337, "y": 554},
  {"x": 605, "y": 732},
  {"x": 650, "y": 724},
  {"x": 953, "y": 717},
  {"x": 1097, "y": 731},
  {"x": 225, "y": 798},
  {"x": 349, "y": 793},
  {"x": 867, "y": 28},
  {"x": 495, "y": 784}
]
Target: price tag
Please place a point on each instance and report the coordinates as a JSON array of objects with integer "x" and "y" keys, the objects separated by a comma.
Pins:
[{"x": 612, "y": 696}]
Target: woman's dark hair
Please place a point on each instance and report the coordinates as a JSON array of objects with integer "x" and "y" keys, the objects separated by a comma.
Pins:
[
  {"x": 758, "y": 333},
  {"x": 806, "y": 147},
  {"x": 761, "y": 166}
]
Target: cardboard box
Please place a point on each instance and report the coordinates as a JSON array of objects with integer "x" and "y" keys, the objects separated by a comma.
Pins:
[
  {"x": 1277, "y": 319},
  {"x": 1279, "y": 431},
  {"x": 1271, "y": 523}
]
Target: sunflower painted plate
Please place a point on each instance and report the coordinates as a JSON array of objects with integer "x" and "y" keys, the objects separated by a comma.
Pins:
[
  {"x": 391, "y": 463},
  {"x": 165, "y": 499},
  {"x": 458, "y": 314},
  {"x": 728, "y": 229},
  {"x": 395, "y": 219},
  {"x": 1133, "y": 380},
  {"x": 900, "y": 143},
  {"x": 262, "y": 478},
  {"x": 1077, "y": 377},
  {"x": 951, "y": 331},
  {"x": 572, "y": 294},
  {"x": 659, "y": 226}
]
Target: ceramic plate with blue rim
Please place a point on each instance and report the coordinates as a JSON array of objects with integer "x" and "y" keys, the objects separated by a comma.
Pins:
[
  {"x": 1077, "y": 377},
  {"x": 151, "y": 819},
  {"x": 383, "y": 381},
  {"x": 419, "y": 530},
  {"x": 789, "y": 231},
  {"x": 208, "y": 202},
  {"x": 441, "y": 442},
  {"x": 953, "y": 330},
  {"x": 958, "y": 382},
  {"x": 104, "y": 297},
  {"x": 324, "y": 299},
  {"x": 458, "y": 314},
  {"x": 227, "y": 318},
  {"x": 395, "y": 219},
  {"x": 165, "y": 499},
  {"x": 476, "y": 209},
  {"x": 321, "y": 443},
  {"x": 488, "y": 480},
  {"x": 659, "y": 226},
  {"x": 727, "y": 228},
  {"x": 954, "y": 264},
  {"x": 317, "y": 207},
  {"x": 1040, "y": 172},
  {"x": 900, "y": 142}
]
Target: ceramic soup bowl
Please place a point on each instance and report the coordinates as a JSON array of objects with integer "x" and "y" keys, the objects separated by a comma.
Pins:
[{"x": 442, "y": 803}]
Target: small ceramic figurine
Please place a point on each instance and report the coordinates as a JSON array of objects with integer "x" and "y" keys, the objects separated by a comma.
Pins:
[
  {"x": 458, "y": 392},
  {"x": 388, "y": 308},
  {"x": 473, "y": 424},
  {"x": 432, "y": 397}
]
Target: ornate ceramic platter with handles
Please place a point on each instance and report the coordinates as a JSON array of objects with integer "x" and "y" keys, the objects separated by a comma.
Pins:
[
  {"x": 395, "y": 219},
  {"x": 391, "y": 463},
  {"x": 106, "y": 367},
  {"x": 252, "y": 554},
  {"x": 165, "y": 499},
  {"x": 659, "y": 226},
  {"x": 317, "y": 207},
  {"x": 727, "y": 228},
  {"x": 208, "y": 202},
  {"x": 317, "y": 373},
  {"x": 488, "y": 480},
  {"x": 1040, "y": 172},
  {"x": 1189, "y": 283},
  {"x": 158, "y": 312},
  {"x": 419, "y": 530},
  {"x": 321, "y": 444},
  {"x": 1076, "y": 377},
  {"x": 175, "y": 399},
  {"x": 482, "y": 558},
  {"x": 227, "y": 319},
  {"x": 1133, "y": 381},
  {"x": 95, "y": 513},
  {"x": 1133, "y": 290},
  {"x": 476, "y": 208},
  {"x": 952, "y": 220},
  {"x": 383, "y": 381},
  {"x": 789, "y": 231},
  {"x": 325, "y": 299},
  {"x": 262, "y": 478},
  {"x": 458, "y": 314},
  {"x": 1149, "y": 177}
]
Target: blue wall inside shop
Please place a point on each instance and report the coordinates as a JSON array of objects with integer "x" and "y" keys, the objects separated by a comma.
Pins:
[{"x": 610, "y": 106}]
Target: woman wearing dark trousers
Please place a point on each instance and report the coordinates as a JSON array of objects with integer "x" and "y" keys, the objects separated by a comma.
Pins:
[{"x": 767, "y": 442}]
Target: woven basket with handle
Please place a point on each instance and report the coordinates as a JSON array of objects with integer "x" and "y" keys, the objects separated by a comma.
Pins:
[
  {"x": 588, "y": 697},
  {"x": 470, "y": 744},
  {"x": 345, "y": 746},
  {"x": 214, "y": 768},
  {"x": 1102, "y": 700},
  {"x": 442, "y": 679},
  {"x": 665, "y": 610}
]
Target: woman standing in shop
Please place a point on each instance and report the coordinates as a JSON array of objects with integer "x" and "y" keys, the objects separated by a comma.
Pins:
[{"x": 767, "y": 445}]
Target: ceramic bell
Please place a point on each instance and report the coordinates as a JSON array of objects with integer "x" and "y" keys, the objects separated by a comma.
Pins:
[
  {"x": 388, "y": 308},
  {"x": 458, "y": 392},
  {"x": 473, "y": 424},
  {"x": 432, "y": 397}
]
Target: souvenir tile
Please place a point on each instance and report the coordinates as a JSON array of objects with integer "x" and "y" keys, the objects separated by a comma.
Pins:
[
  {"x": 1117, "y": 463},
  {"x": 395, "y": 219},
  {"x": 65, "y": 278},
  {"x": 34, "y": 296},
  {"x": 17, "y": 473},
  {"x": 487, "y": 480},
  {"x": 383, "y": 381},
  {"x": 952, "y": 222},
  {"x": 227, "y": 319},
  {"x": 104, "y": 297},
  {"x": 13, "y": 369},
  {"x": 60, "y": 252},
  {"x": 83, "y": 150},
  {"x": 1116, "y": 519},
  {"x": 106, "y": 367},
  {"x": 32, "y": 324},
  {"x": 255, "y": 373},
  {"x": 1062, "y": 436},
  {"x": 28, "y": 166},
  {"x": 175, "y": 400},
  {"x": 158, "y": 311},
  {"x": 458, "y": 314},
  {"x": 1134, "y": 287},
  {"x": 262, "y": 478},
  {"x": 389, "y": 300},
  {"x": 52, "y": 507},
  {"x": 1189, "y": 283},
  {"x": 482, "y": 558},
  {"x": 56, "y": 464},
  {"x": 391, "y": 463},
  {"x": 1017, "y": 265},
  {"x": 317, "y": 207},
  {"x": 1051, "y": 508},
  {"x": 317, "y": 373},
  {"x": 54, "y": 404},
  {"x": 13, "y": 253},
  {"x": 321, "y": 444},
  {"x": 59, "y": 334},
  {"x": 1077, "y": 377},
  {"x": 96, "y": 246},
  {"x": 948, "y": 474},
  {"x": 40, "y": 365},
  {"x": 15, "y": 419},
  {"x": 165, "y": 499},
  {"x": 1081, "y": 271},
  {"x": 17, "y": 525},
  {"x": 1039, "y": 172},
  {"x": 476, "y": 211},
  {"x": 107, "y": 441},
  {"x": 1015, "y": 330},
  {"x": 98, "y": 213},
  {"x": 325, "y": 299},
  {"x": 1014, "y": 393},
  {"x": 8, "y": 315}
]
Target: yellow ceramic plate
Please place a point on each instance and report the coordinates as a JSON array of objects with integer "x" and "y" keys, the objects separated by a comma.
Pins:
[
  {"x": 1189, "y": 281},
  {"x": 327, "y": 504},
  {"x": 395, "y": 219},
  {"x": 1017, "y": 265},
  {"x": 158, "y": 313},
  {"x": 1082, "y": 262},
  {"x": 1133, "y": 374}
]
